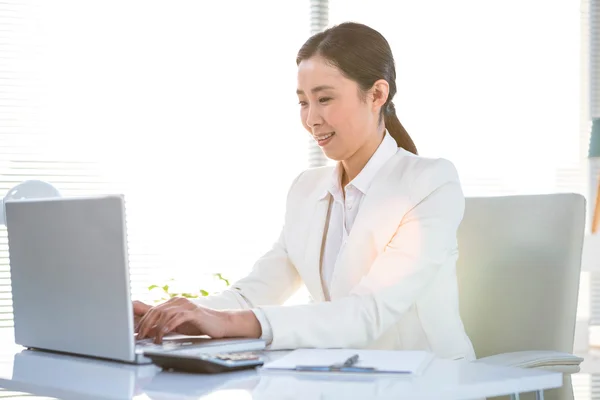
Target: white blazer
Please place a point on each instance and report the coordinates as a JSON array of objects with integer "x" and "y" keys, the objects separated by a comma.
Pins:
[{"x": 394, "y": 285}]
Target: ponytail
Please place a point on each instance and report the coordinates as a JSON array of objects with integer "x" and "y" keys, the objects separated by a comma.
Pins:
[{"x": 396, "y": 130}]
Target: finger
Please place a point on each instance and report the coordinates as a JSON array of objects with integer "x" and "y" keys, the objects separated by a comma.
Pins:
[
  {"x": 152, "y": 318},
  {"x": 141, "y": 319},
  {"x": 147, "y": 322},
  {"x": 172, "y": 323},
  {"x": 149, "y": 317},
  {"x": 136, "y": 322},
  {"x": 142, "y": 323},
  {"x": 166, "y": 315},
  {"x": 140, "y": 308}
]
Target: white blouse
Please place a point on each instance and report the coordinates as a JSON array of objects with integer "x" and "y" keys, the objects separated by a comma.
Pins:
[{"x": 343, "y": 212}]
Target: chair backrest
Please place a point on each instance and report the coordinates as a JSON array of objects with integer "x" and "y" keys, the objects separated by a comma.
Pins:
[{"x": 518, "y": 271}]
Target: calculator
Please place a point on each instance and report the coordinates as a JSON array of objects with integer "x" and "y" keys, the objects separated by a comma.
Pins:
[{"x": 205, "y": 363}]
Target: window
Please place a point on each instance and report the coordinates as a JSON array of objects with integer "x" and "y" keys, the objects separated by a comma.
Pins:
[
  {"x": 188, "y": 108},
  {"x": 495, "y": 88}
]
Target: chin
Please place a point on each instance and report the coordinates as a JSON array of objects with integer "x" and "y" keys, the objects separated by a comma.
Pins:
[{"x": 335, "y": 155}]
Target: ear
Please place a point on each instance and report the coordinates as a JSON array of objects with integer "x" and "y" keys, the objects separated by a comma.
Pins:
[{"x": 379, "y": 93}]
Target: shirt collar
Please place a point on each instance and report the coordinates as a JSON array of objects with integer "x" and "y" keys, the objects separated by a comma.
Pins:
[{"x": 386, "y": 150}]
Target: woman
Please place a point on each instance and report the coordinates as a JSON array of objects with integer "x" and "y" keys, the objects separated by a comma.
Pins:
[{"x": 373, "y": 238}]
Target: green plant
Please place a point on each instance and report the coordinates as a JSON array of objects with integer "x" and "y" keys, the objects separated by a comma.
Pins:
[{"x": 166, "y": 294}]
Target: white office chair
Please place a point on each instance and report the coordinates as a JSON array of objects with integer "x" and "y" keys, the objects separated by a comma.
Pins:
[{"x": 518, "y": 274}]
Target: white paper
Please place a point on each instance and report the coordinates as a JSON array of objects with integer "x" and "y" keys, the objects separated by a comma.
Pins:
[{"x": 412, "y": 362}]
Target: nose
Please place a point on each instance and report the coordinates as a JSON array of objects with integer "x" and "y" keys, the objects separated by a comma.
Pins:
[{"x": 313, "y": 117}]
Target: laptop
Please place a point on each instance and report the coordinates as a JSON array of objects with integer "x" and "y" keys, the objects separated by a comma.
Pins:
[{"x": 71, "y": 286}]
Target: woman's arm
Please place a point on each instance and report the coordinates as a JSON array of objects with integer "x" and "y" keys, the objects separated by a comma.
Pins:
[
  {"x": 422, "y": 244},
  {"x": 272, "y": 281}
]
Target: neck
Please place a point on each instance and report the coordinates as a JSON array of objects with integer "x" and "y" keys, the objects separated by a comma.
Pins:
[{"x": 355, "y": 164}]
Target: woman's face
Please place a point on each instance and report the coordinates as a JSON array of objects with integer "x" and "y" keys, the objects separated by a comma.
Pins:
[{"x": 332, "y": 109}]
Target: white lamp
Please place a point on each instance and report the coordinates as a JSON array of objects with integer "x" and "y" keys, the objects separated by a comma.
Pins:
[{"x": 27, "y": 190}]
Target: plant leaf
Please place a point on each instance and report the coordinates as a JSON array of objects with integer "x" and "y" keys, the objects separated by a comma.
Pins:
[
  {"x": 166, "y": 288},
  {"x": 152, "y": 287},
  {"x": 203, "y": 292},
  {"x": 219, "y": 276}
]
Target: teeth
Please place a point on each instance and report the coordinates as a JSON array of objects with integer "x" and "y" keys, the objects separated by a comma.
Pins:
[{"x": 324, "y": 136}]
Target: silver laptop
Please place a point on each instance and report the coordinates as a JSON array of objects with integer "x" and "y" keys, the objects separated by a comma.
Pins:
[{"x": 70, "y": 281}]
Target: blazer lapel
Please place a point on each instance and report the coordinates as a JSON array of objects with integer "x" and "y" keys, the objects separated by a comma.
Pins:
[
  {"x": 354, "y": 258},
  {"x": 317, "y": 224}
]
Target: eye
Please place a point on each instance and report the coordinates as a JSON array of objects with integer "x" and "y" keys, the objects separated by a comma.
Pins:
[
  {"x": 302, "y": 103},
  {"x": 324, "y": 100}
]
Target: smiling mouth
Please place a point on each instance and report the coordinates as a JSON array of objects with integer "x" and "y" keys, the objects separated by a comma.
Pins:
[
  {"x": 323, "y": 140},
  {"x": 326, "y": 136}
]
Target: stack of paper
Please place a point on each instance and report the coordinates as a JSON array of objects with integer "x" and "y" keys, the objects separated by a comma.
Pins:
[{"x": 384, "y": 361}]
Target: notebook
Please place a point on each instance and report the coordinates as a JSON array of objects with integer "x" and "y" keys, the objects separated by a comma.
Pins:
[{"x": 377, "y": 361}]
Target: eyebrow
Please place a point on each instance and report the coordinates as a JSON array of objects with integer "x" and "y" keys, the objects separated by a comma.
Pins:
[{"x": 316, "y": 89}]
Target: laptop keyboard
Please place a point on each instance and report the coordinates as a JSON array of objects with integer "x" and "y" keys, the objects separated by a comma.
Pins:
[
  {"x": 171, "y": 344},
  {"x": 148, "y": 342}
]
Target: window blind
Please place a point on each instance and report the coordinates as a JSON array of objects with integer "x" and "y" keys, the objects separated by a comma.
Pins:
[
  {"x": 319, "y": 18},
  {"x": 14, "y": 108},
  {"x": 30, "y": 151},
  {"x": 187, "y": 108}
]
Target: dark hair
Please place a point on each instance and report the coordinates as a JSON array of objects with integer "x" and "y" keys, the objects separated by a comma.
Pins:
[{"x": 363, "y": 55}]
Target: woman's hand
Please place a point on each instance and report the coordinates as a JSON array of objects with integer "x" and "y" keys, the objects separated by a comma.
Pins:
[{"x": 182, "y": 316}]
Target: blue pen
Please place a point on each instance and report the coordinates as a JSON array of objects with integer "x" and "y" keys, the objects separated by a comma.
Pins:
[
  {"x": 346, "y": 366},
  {"x": 348, "y": 363}
]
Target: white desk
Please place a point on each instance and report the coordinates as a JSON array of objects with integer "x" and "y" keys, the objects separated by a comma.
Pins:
[{"x": 67, "y": 377}]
